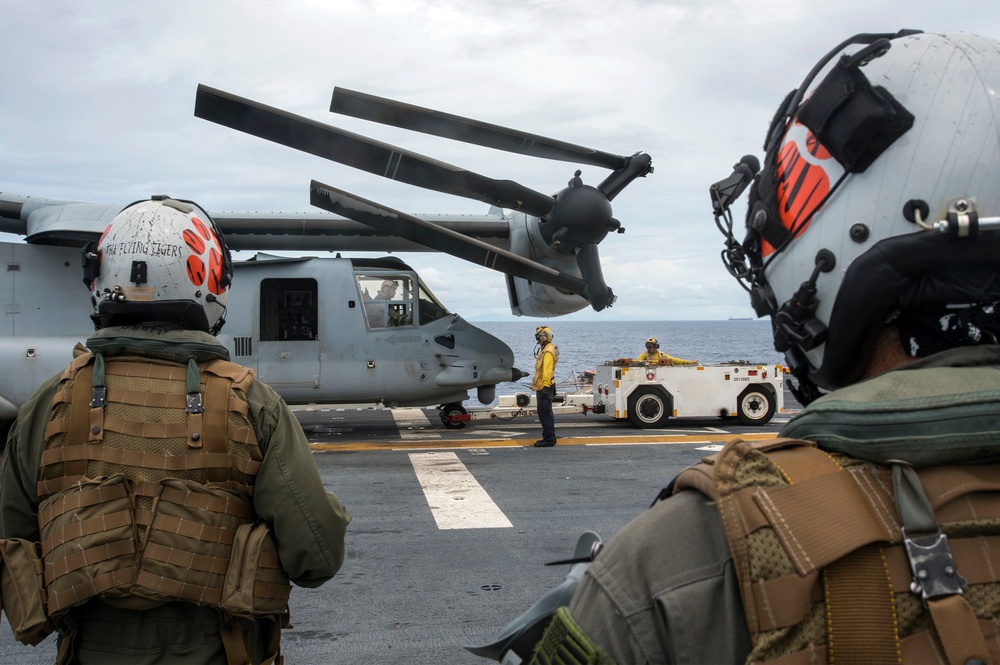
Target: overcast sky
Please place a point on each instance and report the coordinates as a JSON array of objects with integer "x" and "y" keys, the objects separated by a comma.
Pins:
[{"x": 97, "y": 98}]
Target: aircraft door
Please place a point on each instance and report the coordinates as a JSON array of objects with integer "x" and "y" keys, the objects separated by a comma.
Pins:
[{"x": 289, "y": 353}]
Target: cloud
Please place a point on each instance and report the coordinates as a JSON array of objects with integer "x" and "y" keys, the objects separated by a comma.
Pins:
[{"x": 97, "y": 105}]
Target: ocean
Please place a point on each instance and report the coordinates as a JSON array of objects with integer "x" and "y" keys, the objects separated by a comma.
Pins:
[{"x": 584, "y": 345}]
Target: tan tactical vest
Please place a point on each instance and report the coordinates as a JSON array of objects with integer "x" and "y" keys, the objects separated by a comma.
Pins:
[
  {"x": 146, "y": 490},
  {"x": 824, "y": 571}
]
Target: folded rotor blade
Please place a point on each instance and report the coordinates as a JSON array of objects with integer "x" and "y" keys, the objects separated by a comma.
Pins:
[
  {"x": 363, "y": 153},
  {"x": 636, "y": 166},
  {"x": 599, "y": 293},
  {"x": 428, "y": 121},
  {"x": 394, "y": 222}
]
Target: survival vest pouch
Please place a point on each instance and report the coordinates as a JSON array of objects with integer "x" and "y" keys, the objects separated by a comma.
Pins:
[
  {"x": 830, "y": 570},
  {"x": 255, "y": 582},
  {"x": 22, "y": 595}
]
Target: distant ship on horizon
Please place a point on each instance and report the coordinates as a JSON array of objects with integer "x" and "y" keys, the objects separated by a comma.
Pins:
[{"x": 741, "y": 318}]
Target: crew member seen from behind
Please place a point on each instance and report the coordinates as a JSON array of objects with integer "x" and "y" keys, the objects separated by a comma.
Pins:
[
  {"x": 653, "y": 355},
  {"x": 169, "y": 495},
  {"x": 544, "y": 384},
  {"x": 865, "y": 533}
]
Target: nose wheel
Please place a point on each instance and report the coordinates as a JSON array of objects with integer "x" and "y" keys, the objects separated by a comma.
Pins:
[{"x": 453, "y": 416}]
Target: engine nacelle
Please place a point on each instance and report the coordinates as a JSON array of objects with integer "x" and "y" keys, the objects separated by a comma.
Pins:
[
  {"x": 531, "y": 298},
  {"x": 534, "y": 299}
]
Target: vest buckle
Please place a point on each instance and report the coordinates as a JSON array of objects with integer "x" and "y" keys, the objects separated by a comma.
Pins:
[
  {"x": 933, "y": 566},
  {"x": 194, "y": 404}
]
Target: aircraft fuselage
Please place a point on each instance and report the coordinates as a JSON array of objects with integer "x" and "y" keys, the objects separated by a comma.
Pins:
[{"x": 313, "y": 329}]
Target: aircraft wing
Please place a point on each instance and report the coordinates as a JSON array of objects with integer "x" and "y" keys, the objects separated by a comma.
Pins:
[{"x": 74, "y": 223}]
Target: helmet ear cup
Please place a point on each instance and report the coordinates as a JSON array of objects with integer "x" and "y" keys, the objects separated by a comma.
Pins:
[{"x": 91, "y": 263}]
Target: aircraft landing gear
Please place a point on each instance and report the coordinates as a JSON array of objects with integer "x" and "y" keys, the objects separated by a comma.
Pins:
[{"x": 453, "y": 416}]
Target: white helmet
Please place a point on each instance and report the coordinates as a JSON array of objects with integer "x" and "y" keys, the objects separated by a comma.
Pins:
[
  {"x": 871, "y": 205},
  {"x": 160, "y": 260}
]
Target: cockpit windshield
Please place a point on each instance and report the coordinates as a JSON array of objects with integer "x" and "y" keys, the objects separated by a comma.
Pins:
[{"x": 431, "y": 308}]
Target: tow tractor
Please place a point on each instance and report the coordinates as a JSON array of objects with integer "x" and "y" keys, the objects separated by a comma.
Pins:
[{"x": 649, "y": 395}]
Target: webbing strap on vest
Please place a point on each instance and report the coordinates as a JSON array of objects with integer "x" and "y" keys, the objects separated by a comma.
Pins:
[
  {"x": 860, "y": 571},
  {"x": 79, "y": 419},
  {"x": 935, "y": 576},
  {"x": 860, "y": 608},
  {"x": 216, "y": 425}
]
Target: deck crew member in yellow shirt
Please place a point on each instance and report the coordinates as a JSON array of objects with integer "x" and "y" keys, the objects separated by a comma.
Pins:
[{"x": 652, "y": 354}]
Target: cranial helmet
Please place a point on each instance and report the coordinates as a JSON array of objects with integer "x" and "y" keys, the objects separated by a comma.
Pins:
[
  {"x": 389, "y": 283},
  {"x": 876, "y": 204},
  {"x": 159, "y": 260},
  {"x": 652, "y": 342},
  {"x": 544, "y": 333}
]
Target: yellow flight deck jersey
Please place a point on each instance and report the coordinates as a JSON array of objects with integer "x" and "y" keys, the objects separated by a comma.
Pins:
[
  {"x": 545, "y": 367},
  {"x": 661, "y": 358}
]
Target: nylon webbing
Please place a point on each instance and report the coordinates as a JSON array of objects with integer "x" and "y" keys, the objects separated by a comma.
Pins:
[
  {"x": 152, "y": 460},
  {"x": 860, "y": 606},
  {"x": 857, "y": 510},
  {"x": 263, "y": 589},
  {"x": 977, "y": 557},
  {"x": 91, "y": 555},
  {"x": 193, "y": 530},
  {"x": 861, "y": 610},
  {"x": 958, "y": 629},
  {"x": 216, "y": 421},
  {"x": 146, "y": 370},
  {"x": 77, "y": 500},
  {"x": 79, "y": 419},
  {"x": 88, "y": 527},
  {"x": 171, "y": 588},
  {"x": 954, "y": 620},
  {"x": 200, "y": 562},
  {"x": 229, "y": 505},
  {"x": 88, "y": 589}
]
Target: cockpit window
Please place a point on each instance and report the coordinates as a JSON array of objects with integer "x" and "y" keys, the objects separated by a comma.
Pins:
[
  {"x": 431, "y": 308},
  {"x": 388, "y": 299}
]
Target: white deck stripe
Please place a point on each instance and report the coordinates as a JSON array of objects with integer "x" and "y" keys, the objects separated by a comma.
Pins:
[
  {"x": 414, "y": 424},
  {"x": 456, "y": 500}
]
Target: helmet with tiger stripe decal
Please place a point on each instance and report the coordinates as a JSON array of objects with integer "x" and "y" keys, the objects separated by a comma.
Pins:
[
  {"x": 160, "y": 260},
  {"x": 874, "y": 206}
]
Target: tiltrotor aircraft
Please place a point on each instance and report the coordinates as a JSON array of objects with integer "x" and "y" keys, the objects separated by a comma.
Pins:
[{"x": 339, "y": 330}]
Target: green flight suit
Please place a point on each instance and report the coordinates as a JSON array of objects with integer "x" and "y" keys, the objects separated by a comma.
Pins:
[
  {"x": 664, "y": 590},
  {"x": 308, "y": 523}
]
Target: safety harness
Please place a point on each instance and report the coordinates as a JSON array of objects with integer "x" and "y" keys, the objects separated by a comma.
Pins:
[
  {"x": 842, "y": 560},
  {"x": 146, "y": 483}
]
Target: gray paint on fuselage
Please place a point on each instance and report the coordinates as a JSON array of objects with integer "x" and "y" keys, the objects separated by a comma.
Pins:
[{"x": 47, "y": 310}]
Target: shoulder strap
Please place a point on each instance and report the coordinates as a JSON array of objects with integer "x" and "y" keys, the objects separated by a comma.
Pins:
[{"x": 860, "y": 614}]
